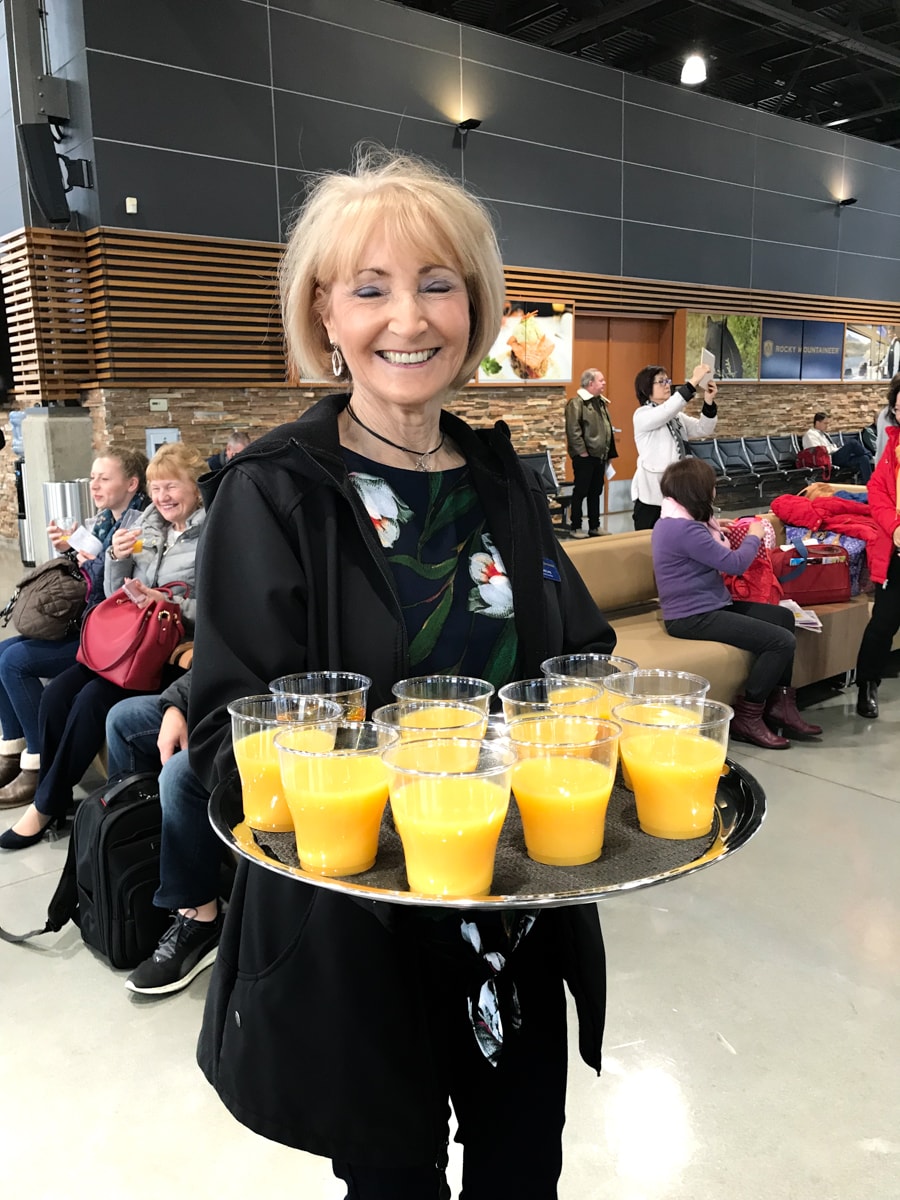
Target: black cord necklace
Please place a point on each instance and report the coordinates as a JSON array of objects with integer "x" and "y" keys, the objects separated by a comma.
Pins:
[{"x": 420, "y": 456}]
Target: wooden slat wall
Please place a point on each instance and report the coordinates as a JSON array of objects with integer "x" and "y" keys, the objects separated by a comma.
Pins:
[
  {"x": 48, "y": 313},
  {"x": 131, "y": 308}
]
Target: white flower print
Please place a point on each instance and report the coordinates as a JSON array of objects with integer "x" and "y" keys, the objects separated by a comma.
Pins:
[
  {"x": 384, "y": 506},
  {"x": 492, "y": 594}
]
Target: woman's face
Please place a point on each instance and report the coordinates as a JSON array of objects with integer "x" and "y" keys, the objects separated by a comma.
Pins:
[
  {"x": 402, "y": 325},
  {"x": 662, "y": 388},
  {"x": 110, "y": 486},
  {"x": 175, "y": 499}
]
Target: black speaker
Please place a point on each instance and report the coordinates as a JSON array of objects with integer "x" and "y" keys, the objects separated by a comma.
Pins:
[{"x": 42, "y": 171}]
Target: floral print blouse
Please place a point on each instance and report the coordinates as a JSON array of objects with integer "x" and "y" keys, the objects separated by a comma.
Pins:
[{"x": 453, "y": 586}]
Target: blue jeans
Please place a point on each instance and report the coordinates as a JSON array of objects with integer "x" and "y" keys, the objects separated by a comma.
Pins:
[
  {"x": 190, "y": 852},
  {"x": 855, "y": 456},
  {"x": 24, "y": 663}
]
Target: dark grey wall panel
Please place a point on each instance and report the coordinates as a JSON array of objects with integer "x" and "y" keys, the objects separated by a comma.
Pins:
[
  {"x": 797, "y": 219},
  {"x": 540, "y": 237},
  {"x": 654, "y": 252},
  {"x": 187, "y": 194},
  {"x": 492, "y": 50},
  {"x": 161, "y": 106},
  {"x": 782, "y": 268},
  {"x": 663, "y": 198},
  {"x": 876, "y": 187},
  {"x": 798, "y": 133},
  {"x": 389, "y": 20},
  {"x": 864, "y": 232},
  {"x": 324, "y": 60},
  {"x": 542, "y": 175},
  {"x": 224, "y": 37},
  {"x": 685, "y": 103},
  {"x": 659, "y": 139},
  {"x": 781, "y": 167},
  {"x": 537, "y": 111},
  {"x": 872, "y": 152},
  {"x": 875, "y": 278},
  {"x": 320, "y": 135}
]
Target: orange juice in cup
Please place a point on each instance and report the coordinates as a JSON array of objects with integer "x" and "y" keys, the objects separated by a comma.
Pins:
[
  {"x": 674, "y": 751},
  {"x": 446, "y": 689},
  {"x": 573, "y": 668},
  {"x": 530, "y": 697},
  {"x": 449, "y": 798},
  {"x": 654, "y": 685},
  {"x": 562, "y": 783},
  {"x": 336, "y": 795},
  {"x": 255, "y": 720},
  {"x": 430, "y": 719},
  {"x": 346, "y": 688}
]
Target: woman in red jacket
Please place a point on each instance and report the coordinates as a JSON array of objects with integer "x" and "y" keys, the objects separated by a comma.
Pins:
[{"x": 885, "y": 620}]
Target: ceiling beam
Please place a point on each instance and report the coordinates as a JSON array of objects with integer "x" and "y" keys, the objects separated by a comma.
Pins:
[
  {"x": 609, "y": 16},
  {"x": 814, "y": 26}
]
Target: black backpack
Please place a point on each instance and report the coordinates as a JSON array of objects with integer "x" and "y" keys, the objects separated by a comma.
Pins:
[{"x": 112, "y": 872}]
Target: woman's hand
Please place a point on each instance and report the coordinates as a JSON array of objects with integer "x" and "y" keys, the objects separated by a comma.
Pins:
[
  {"x": 141, "y": 594},
  {"x": 725, "y": 524},
  {"x": 58, "y": 540},
  {"x": 699, "y": 373},
  {"x": 173, "y": 734},
  {"x": 712, "y": 390},
  {"x": 757, "y": 529},
  {"x": 897, "y": 537},
  {"x": 123, "y": 541}
]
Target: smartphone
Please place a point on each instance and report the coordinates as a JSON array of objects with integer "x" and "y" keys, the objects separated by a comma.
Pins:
[{"x": 132, "y": 591}]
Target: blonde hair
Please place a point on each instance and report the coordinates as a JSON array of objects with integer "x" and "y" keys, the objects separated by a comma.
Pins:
[
  {"x": 408, "y": 201},
  {"x": 176, "y": 459}
]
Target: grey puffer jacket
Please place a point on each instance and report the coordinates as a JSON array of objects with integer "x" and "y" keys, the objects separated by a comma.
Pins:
[{"x": 158, "y": 563}]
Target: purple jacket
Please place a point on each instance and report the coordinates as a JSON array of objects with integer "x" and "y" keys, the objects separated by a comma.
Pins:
[{"x": 689, "y": 563}]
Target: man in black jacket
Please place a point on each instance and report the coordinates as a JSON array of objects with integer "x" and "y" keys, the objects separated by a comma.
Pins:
[{"x": 591, "y": 443}]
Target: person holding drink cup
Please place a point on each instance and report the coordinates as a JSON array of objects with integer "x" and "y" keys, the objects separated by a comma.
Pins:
[{"x": 381, "y": 534}]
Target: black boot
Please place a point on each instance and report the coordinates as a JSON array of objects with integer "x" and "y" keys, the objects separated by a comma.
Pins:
[{"x": 867, "y": 702}]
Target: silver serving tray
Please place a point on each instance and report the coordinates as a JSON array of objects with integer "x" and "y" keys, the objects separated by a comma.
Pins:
[{"x": 631, "y": 859}]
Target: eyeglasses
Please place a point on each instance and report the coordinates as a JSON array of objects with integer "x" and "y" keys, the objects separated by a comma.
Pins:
[{"x": 663, "y": 382}]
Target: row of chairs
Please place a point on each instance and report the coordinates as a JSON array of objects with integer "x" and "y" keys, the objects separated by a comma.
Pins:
[{"x": 764, "y": 466}]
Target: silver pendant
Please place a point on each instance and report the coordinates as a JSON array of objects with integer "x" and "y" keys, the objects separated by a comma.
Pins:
[{"x": 422, "y": 462}]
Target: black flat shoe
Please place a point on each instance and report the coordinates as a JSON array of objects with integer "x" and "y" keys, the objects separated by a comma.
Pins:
[
  {"x": 867, "y": 701},
  {"x": 10, "y": 840}
]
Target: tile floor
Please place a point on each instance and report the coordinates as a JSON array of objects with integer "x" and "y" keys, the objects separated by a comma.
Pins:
[{"x": 751, "y": 1050}]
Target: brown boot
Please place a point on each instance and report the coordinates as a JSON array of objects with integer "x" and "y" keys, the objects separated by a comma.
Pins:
[
  {"x": 781, "y": 712},
  {"x": 20, "y": 791},
  {"x": 748, "y": 725},
  {"x": 9, "y": 768}
]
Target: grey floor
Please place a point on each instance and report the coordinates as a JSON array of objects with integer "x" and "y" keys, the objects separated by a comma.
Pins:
[{"x": 752, "y": 1040}]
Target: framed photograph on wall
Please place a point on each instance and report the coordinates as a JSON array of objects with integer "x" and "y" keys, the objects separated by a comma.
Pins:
[
  {"x": 731, "y": 338},
  {"x": 534, "y": 344},
  {"x": 871, "y": 351}
]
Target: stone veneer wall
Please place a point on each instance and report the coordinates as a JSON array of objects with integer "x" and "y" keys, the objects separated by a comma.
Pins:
[{"x": 206, "y": 416}]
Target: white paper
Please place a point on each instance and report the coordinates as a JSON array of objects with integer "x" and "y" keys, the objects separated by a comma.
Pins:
[
  {"x": 80, "y": 539},
  {"x": 804, "y": 618},
  {"x": 610, "y": 471},
  {"x": 708, "y": 359}
]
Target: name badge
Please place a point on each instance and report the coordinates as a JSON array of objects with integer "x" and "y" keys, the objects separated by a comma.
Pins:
[{"x": 551, "y": 571}]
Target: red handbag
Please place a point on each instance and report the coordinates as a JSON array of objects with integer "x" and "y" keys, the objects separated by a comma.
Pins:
[
  {"x": 128, "y": 645},
  {"x": 813, "y": 574},
  {"x": 758, "y": 582}
]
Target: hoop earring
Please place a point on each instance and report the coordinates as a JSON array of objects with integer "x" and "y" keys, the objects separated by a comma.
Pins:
[{"x": 337, "y": 361}]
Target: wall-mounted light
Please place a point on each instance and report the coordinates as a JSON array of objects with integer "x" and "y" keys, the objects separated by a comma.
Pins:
[
  {"x": 463, "y": 129},
  {"x": 846, "y": 202},
  {"x": 694, "y": 70}
]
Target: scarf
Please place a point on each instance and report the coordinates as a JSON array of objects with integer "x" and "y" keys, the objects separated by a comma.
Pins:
[
  {"x": 106, "y": 524},
  {"x": 671, "y": 508}
]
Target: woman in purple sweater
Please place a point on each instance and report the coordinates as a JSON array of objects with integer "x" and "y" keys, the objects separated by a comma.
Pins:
[{"x": 690, "y": 554}]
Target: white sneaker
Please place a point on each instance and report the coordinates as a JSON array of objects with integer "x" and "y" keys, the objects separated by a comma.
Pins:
[{"x": 579, "y": 533}]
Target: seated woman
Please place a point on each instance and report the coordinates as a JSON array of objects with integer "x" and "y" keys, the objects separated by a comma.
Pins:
[
  {"x": 690, "y": 554},
  {"x": 117, "y": 484},
  {"x": 661, "y": 428},
  {"x": 142, "y": 734},
  {"x": 74, "y": 705}
]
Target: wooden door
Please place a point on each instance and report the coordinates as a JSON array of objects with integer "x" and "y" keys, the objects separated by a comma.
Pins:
[{"x": 620, "y": 347}]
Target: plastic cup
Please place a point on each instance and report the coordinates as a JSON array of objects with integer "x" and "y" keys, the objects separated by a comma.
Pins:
[
  {"x": 255, "y": 720},
  {"x": 336, "y": 795},
  {"x": 344, "y": 687},
  {"x": 531, "y": 697},
  {"x": 449, "y": 798},
  {"x": 652, "y": 683},
  {"x": 428, "y": 719},
  {"x": 596, "y": 667},
  {"x": 674, "y": 750},
  {"x": 562, "y": 783},
  {"x": 463, "y": 689}
]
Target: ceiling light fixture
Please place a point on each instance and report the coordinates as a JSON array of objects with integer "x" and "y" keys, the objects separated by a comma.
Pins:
[
  {"x": 694, "y": 70},
  {"x": 839, "y": 121}
]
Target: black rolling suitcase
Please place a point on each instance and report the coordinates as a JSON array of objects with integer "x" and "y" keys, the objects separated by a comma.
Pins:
[{"x": 112, "y": 872}]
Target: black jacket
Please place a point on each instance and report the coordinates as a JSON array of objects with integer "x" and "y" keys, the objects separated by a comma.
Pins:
[{"x": 300, "y": 1034}]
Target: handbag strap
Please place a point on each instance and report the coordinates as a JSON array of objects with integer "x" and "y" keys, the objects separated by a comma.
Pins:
[{"x": 798, "y": 570}]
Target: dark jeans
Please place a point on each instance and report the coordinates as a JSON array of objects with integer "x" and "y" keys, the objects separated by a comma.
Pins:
[
  {"x": 881, "y": 629},
  {"x": 766, "y": 630},
  {"x": 190, "y": 852},
  {"x": 646, "y": 515},
  {"x": 72, "y": 728},
  {"x": 510, "y": 1116},
  {"x": 854, "y": 455},
  {"x": 589, "y": 474},
  {"x": 24, "y": 664}
]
